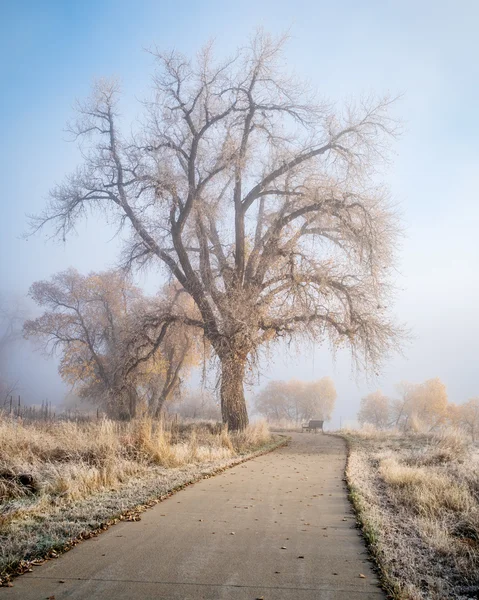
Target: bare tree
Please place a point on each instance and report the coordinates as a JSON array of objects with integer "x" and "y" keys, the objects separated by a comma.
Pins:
[
  {"x": 257, "y": 198},
  {"x": 401, "y": 407},
  {"x": 197, "y": 404},
  {"x": 318, "y": 398},
  {"x": 8, "y": 387},
  {"x": 12, "y": 315},
  {"x": 422, "y": 405},
  {"x": 375, "y": 409},
  {"x": 466, "y": 416},
  {"x": 281, "y": 401},
  {"x": 296, "y": 400}
]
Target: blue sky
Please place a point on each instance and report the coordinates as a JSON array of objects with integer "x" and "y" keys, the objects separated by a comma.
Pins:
[{"x": 428, "y": 51}]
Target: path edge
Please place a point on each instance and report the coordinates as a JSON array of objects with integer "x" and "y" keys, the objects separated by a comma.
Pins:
[
  {"x": 132, "y": 513},
  {"x": 368, "y": 531}
]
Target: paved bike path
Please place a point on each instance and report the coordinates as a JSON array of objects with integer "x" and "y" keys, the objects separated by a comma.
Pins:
[{"x": 277, "y": 527}]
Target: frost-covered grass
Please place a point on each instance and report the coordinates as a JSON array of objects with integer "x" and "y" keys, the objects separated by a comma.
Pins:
[
  {"x": 62, "y": 481},
  {"x": 417, "y": 497}
]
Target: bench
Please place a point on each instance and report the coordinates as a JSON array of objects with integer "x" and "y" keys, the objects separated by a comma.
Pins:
[{"x": 313, "y": 425}]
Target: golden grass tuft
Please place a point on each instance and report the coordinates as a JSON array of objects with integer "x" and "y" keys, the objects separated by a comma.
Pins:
[
  {"x": 424, "y": 490},
  {"x": 71, "y": 460}
]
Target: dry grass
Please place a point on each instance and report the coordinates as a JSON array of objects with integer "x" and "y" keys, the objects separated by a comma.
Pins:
[
  {"x": 60, "y": 479},
  {"x": 418, "y": 500}
]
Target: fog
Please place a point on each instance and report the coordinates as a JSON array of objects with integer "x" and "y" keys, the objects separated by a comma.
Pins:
[{"x": 426, "y": 52}]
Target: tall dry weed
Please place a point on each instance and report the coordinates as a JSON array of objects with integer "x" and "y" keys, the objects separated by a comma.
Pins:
[{"x": 68, "y": 460}]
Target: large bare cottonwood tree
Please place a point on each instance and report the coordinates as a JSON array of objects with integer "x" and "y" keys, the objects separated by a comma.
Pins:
[{"x": 257, "y": 198}]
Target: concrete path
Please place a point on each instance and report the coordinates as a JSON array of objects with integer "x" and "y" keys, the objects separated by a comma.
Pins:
[{"x": 278, "y": 527}]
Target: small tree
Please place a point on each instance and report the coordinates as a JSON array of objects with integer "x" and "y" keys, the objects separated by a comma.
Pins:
[
  {"x": 197, "y": 404},
  {"x": 427, "y": 404},
  {"x": 318, "y": 398},
  {"x": 281, "y": 400},
  {"x": 401, "y": 407},
  {"x": 261, "y": 201},
  {"x": 468, "y": 417},
  {"x": 375, "y": 409},
  {"x": 421, "y": 406},
  {"x": 297, "y": 400}
]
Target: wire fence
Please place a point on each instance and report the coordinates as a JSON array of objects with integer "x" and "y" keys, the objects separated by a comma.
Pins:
[{"x": 13, "y": 407}]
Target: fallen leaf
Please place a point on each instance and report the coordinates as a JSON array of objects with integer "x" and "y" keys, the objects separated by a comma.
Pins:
[{"x": 362, "y": 576}]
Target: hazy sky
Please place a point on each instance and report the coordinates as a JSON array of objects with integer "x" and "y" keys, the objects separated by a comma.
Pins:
[{"x": 426, "y": 50}]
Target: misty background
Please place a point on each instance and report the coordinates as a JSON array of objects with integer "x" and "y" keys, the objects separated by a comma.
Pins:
[{"x": 427, "y": 51}]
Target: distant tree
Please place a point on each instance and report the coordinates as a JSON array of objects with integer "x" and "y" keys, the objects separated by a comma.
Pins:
[
  {"x": 421, "y": 406},
  {"x": 427, "y": 404},
  {"x": 197, "y": 404},
  {"x": 296, "y": 400},
  {"x": 8, "y": 387},
  {"x": 467, "y": 416},
  {"x": 12, "y": 315},
  {"x": 107, "y": 353},
  {"x": 431, "y": 402},
  {"x": 262, "y": 202},
  {"x": 375, "y": 409},
  {"x": 401, "y": 407},
  {"x": 318, "y": 398},
  {"x": 280, "y": 400}
]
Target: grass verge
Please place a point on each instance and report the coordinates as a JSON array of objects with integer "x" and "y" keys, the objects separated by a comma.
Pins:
[
  {"x": 61, "y": 483},
  {"x": 417, "y": 501}
]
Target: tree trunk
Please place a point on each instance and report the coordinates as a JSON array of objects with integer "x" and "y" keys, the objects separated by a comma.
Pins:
[
  {"x": 165, "y": 394},
  {"x": 132, "y": 403},
  {"x": 233, "y": 403},
  {"x": 171, "y": 384}
]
